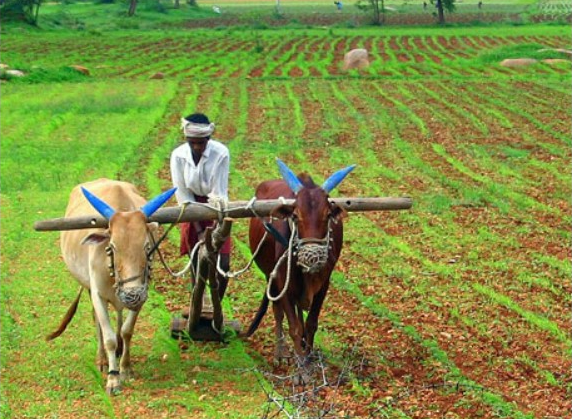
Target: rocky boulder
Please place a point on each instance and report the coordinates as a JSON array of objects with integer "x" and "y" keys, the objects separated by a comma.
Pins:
[
  {"x": 356, "y": 58},
  {"x": 518, "y": 62},
  {"x": 81, "y": 69}
]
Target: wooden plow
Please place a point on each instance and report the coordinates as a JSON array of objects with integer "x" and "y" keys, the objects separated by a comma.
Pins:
[{"x": 209, "y": 326}]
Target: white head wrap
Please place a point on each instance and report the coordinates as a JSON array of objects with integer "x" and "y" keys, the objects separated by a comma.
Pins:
[{"x": 191, "y": 129}]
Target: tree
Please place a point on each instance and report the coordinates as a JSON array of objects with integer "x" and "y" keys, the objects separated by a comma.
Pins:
[
  {"x": 132, "y": 7},
  {"x": 22, "y": 10},
  {"x": 443, "y": 5},
  {"x": 375, "y": 7}
]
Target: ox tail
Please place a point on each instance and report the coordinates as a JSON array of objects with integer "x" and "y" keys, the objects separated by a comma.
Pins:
[
  {"x": 67, "y": 318},
  {"x": 258, "y": 318}
]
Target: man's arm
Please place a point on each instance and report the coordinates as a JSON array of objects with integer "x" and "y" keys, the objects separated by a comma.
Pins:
[
  {"x": 220, "y": 181},
  {"x": 183, "y": 194}
]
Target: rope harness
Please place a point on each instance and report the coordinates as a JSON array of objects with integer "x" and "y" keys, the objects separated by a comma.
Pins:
[
  {"x": 132, "y": 297},
  {"x": 312, "y": 253}
]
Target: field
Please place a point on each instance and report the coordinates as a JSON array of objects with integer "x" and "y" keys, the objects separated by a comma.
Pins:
[{"x": 458, "y": 308}]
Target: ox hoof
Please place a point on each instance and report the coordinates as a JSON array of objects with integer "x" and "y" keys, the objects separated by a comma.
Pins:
[
  {"x": 302, "y": 378},
  {"x": 113, "y": 390},
  {"x": 126, "y": 375},
  {"x": 281, "y": 353}
]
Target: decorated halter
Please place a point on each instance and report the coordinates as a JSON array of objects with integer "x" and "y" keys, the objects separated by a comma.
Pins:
[
  {"x": 312, "y": 252},
  {"x": 133, "y": 297}
]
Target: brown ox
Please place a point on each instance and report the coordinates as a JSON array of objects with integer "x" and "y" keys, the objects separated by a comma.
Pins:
[
  {"x": 113, "y": 264},
  {"x": 311, "y": 230}
]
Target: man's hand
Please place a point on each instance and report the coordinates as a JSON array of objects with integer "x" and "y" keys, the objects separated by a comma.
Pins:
[{"x": 199, "y": 230}]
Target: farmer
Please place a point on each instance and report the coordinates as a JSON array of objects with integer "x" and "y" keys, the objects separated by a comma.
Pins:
[
  {"x": 339, "y": 5},
  {"x": 199, "y": 170}
]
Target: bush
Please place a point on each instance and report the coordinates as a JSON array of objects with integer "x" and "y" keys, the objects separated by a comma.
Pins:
[{"x": 20, "y": 10}]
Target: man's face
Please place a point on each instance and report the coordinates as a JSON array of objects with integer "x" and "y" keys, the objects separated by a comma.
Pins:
[{"x": 198, "y": 145}]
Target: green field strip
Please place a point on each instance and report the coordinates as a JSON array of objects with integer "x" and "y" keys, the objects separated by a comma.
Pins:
[
  {"x": 252, "y": 139},
  {"x": 397, "y": 166},
  {"x": 416, "y": 158},
  {"x": 423, "y": 59},
  {"x": 453, "y": 109},
  {"x": 487, "y": 114},
  {"x": 501, "y": 100},
  {"x": 441, "y": 249},
  {"x": 498, "y": 191},
  {"x": 65, "y": 167},
  {"x": 480, "y": 151},
  {"x": 472, "y": 47},
  {"x": 279, "y": 66},
  {"x": 52, "y": 371},
  {"x": 324, "y": 336},
  {"x": 425, "y": 290},
  {"x": 532, "y": 318},
  {"x": 492, "y": 188},
  {"x": 380, "y": 49},
  {"x": 364, "y": 141},
  {"x": 453, "y": 48},
  {"x": 554, "y": 85},
  {"x": 525, "y": 137},
  {"x": 502, "y": 407},
  {"x": 557, "y": 107},
  {"x": 546, "y": 104},
  {"x": 512, "y": 170}
]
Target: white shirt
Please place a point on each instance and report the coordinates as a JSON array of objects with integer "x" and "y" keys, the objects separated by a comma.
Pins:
[{"x": 208, "y": 178}]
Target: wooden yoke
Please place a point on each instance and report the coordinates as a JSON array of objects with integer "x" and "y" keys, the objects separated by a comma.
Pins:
[{"x": 235, "y": 209}]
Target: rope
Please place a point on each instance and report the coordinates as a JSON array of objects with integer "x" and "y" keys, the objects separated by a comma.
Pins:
[
  {"x": 287, "y": 253},
  {"x": 156, "y": 247}
]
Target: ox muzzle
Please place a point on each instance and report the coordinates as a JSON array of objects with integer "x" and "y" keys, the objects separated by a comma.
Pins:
[
  {"x": 132, "y": 297},
  {"x": 313, "y": 253}
]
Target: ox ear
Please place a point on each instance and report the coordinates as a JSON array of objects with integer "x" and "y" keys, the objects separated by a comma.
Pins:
[
  {"x": 282, "y": 211},
  {"x": 337, "y": 178},
  {"x": 289, "y": 177},
  {"x": 154, "y": 204},
  {"x": 99, "y": 205},
  {"x": 153, "y": 227},
  {"x": 337, "y": 212},
  {"x": 96, "y": 238}
]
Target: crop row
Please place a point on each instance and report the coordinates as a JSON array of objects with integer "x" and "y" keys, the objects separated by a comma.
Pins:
[{"x": 269, "y": 54}]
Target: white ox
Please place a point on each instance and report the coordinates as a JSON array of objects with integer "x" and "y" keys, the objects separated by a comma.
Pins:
[{"x": 113, "y": 264}]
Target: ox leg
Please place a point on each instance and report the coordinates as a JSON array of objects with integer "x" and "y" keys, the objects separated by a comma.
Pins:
[
  {"x": 281, "y": 350},
  {"x": 119, "y": 349},
  {"x": 126, "y": 335},
  {"x": 100, "y": 357},
  {"x": 296, "y": 330},
  {"x": 314, "y": 313},
  {"x": 109, "y": 342}
]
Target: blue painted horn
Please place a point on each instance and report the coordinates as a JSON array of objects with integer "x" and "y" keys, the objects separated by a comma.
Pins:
[
  {"x": 336, "y": 178},
  {"x": 148, "y": 209},
  {"x": 289, "y": 176},
  {"x": 101, "y": 207},
  {"x": 153, "y": 205}
]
